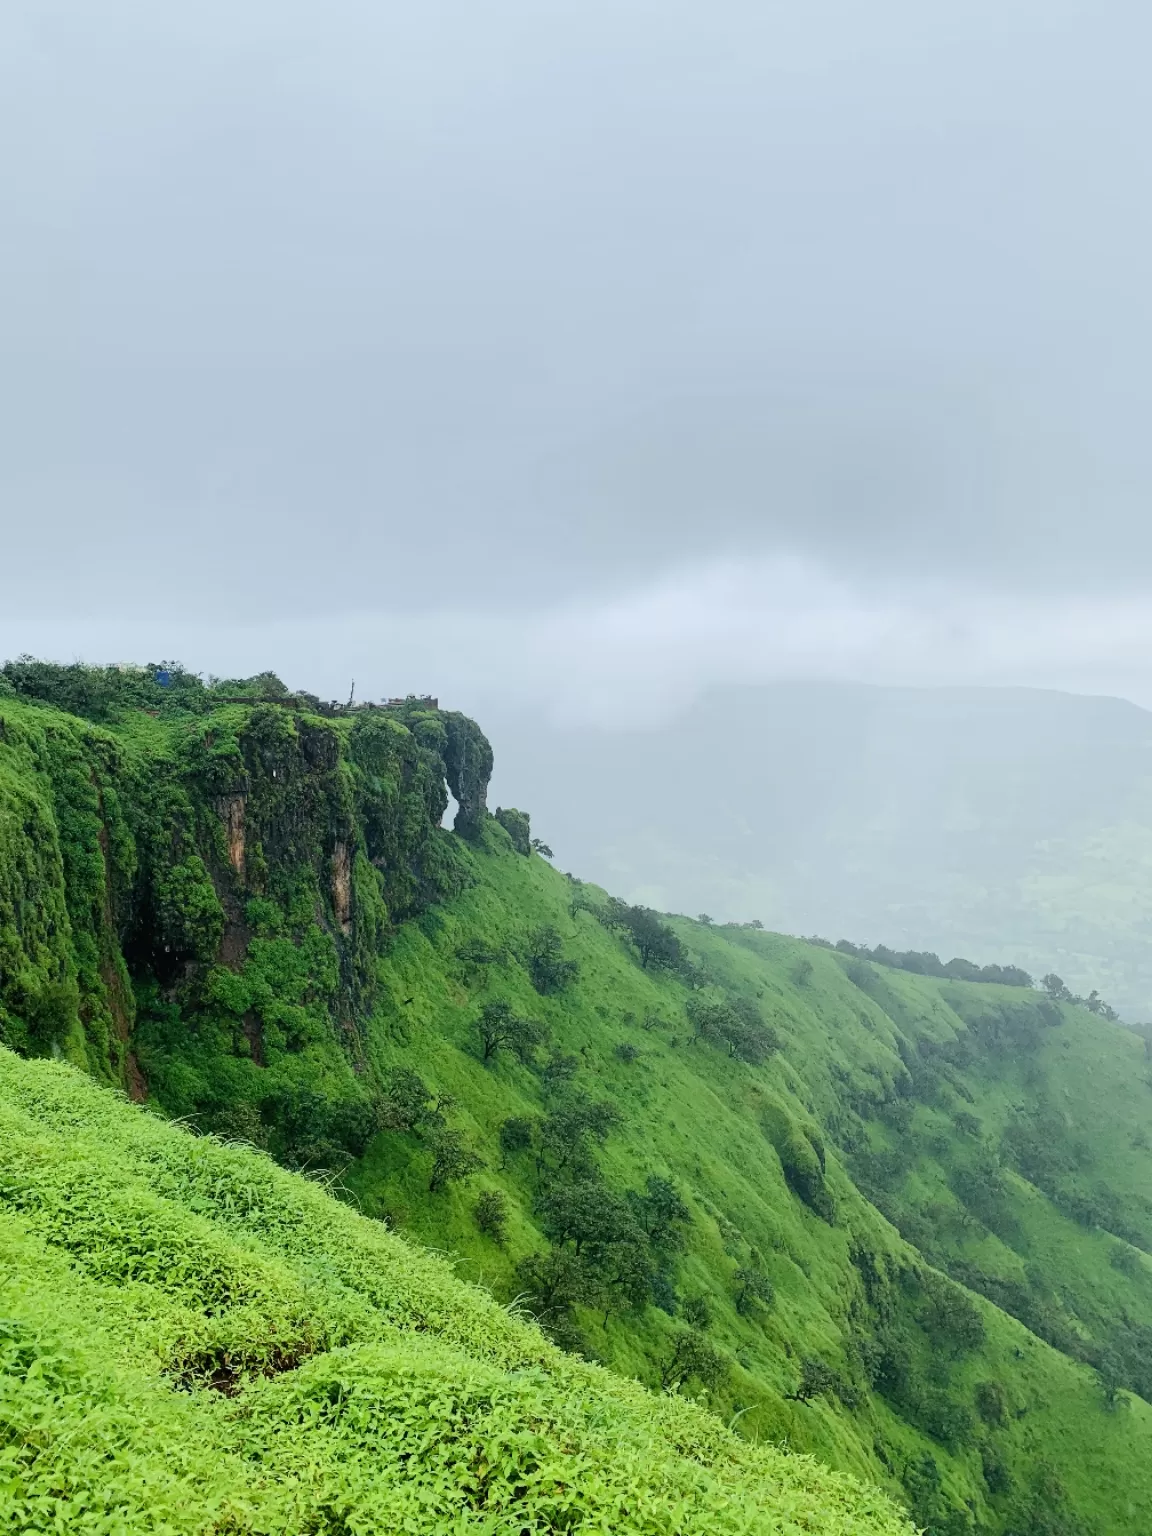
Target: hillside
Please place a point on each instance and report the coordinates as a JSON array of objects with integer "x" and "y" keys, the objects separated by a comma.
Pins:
[
  {"x": 193, "y": 1340},
  {"x": 1013, "y": 824},
  {"x": 896, "y": 1221}
]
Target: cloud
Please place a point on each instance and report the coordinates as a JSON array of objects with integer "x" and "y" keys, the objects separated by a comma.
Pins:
[{"x": 645, "y": 653}]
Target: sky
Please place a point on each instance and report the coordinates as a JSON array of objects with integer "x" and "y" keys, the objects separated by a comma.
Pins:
[{"x": 580, "y": 354}]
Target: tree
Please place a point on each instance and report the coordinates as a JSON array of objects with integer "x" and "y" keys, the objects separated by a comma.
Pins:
[
  {"x": 697, "y": 1312},
  {"x": 474, "y": 954},
  {"x": 452, "y": 1159},
  {"x": 693, "y": 1358},
  {"x": 627, "y": 1052},
  {"x": 559, "y": 1070},
  {"x": 586, "y": 1214},
  {"x": 498, "y": 1026},
  {"x": 625, "y": 1273},
  {"x": 708, "y": 1018},
  {"x": 555, "y": 1281},
  {"x": 661, "y": 1212},
  {"x": 992, "y": 1402},
  {"x": 542, "y": 848},
  {"x": 705, "y": 919},
  {"x": 515, "y": 1135},
  {"x": 1055, "y": 988},
  {"x": 1110, "y": 1375},
  {"x": 950, "y": 1316},
  {"x": 658, "y": 946},
  {"x": 735, "y": 1023},
  {"x": 544, "y": 959},
  {"x": 817, "y": 1378},
  {"x": 406, "y": 1102},
  {"x": 753, "y": 1287},
  {"x": 490, "y": 1214},
  {"x": 746, "y": 1034},
  {"x": 568, "y": 1131}
]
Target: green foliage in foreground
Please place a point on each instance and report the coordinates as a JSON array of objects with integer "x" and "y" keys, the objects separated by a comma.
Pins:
[{"x": 192, "y": 1340}]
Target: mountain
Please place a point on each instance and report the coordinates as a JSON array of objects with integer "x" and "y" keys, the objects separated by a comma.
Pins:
[
  {"x": 1012, "y": 824},
  {"x": 895, "y": 1222}
]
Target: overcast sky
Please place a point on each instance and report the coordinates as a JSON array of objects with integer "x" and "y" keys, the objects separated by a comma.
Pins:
[{"x": 527, "y": 348}]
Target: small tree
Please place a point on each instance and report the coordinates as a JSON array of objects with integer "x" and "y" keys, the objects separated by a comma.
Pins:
[
  {"x": 658, "y": 946},
  {"x": 476, "y": 954},
  {"x": 697, "y": 1312},
  {"x": 544, "y": 958},
  {"x": 1110, "y": 1375},
  {"x": 498, "y": 1026},
  {"x": 992, "y": 1402},
  {"x": 817, "y": 1378},
  {"x": 491, "y": 1215},
  {"x": 627, "y": 1052},
  {"x": 406, "y": 1102},
  {"x": 693, "y": 1358},
  {"x": 753, "y": 1287},
  {"x": 1055, "y": 988},
  {"x": 802, "y": 972},
  {"x": 662, "y": 1212},
  {"x": 567, "y": 1133},
  {"x": 559, "y": 1071},
  {"x": 542, "y": 848},
  {"x": 555, "y": 1281},
  {"x": 515, "y": 1136},
  {"x": 452, "y": 1159}
]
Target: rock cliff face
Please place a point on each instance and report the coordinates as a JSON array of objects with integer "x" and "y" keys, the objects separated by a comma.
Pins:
[{"x": 228, "y": 871}]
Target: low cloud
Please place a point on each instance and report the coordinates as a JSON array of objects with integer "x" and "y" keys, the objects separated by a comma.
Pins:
[{"x": 641, "y": 655}]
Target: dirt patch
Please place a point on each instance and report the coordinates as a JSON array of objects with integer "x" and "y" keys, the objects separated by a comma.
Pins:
[{"x": 221, "y": 1372}]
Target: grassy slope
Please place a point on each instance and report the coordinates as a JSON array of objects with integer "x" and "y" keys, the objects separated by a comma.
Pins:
[
  {"x": 367, "y": 1387},
  {"x": 695, "y": 1115}
]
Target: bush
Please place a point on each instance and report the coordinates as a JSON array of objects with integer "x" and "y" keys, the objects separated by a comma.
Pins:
[
  {"x": 627, "y": 1053},
  {"x": 490, "y": 1214},
  {"x": 992, "y": 1402},
  {"x": 518, "y": 827},
  {"x": 692, "y": 1358},
  {"x": 516, "y": 1135}
]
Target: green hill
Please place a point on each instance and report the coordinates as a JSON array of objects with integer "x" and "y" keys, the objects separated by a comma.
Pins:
[{"x": 894, "y": 1221}]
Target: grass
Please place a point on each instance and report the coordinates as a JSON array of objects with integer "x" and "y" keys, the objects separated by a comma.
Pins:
[{"x": 194, "y": 1340}]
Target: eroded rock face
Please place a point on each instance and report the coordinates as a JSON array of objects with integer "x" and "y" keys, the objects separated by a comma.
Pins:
[
  {"x": 342, "y": 885},
  {"x": 468, "y": 768},
  {"x": 231, "y": 810}
]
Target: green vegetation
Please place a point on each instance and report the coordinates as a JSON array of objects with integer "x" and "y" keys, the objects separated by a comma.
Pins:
[
  {"x": 192, "y": 1340},
  {"x": 893, "y": 1218}
]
